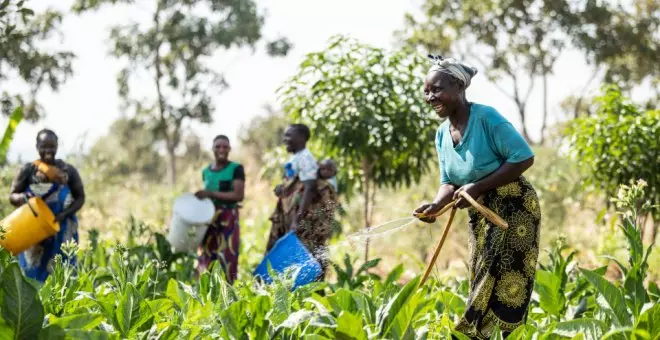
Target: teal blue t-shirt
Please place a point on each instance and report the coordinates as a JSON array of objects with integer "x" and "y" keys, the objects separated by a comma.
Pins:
[{"x": 489, "y": 140}]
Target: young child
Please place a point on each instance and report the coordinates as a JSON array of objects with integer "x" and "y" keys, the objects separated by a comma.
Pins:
[{"x": 328, "y": 171}]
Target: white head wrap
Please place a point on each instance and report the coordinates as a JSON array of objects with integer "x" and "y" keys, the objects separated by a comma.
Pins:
[{"x": 454, "y": 68}]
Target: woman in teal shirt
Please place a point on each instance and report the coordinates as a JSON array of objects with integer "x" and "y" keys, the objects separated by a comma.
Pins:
[
  {"x": 481, "y": 153},
  {"x": 224, "y": 183}
]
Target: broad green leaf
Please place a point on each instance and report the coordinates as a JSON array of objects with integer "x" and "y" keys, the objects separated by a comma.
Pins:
[
  {"x": 450, "y": 302},
  {"x": 634, "y": 289},
  {"x": 234, "y": 320},
  {"x": 342, "y": 300},
  {"x": 145, "y": 317},
  {"x": 654, "y": 291},
  {"x": 259, "y": 308},
  {"x": 422, "y": 333},
  {"x": 349, "y": 265},
  {"x": 6, "y": 331},
  {"x": 89, "y": 335},
  {"x": 189, "y": 291},
  {"x": 497, "y": 334},
  {"x": 365, "y": 306},
  {"x": 198, "y": 313},
  {"x": 350, "y": 326},
  {"x": 612, "y": 295},
  {"x": 296, "y": 318},
  {"x": 15, "y": 118},
  {"x": 459, "y": 335},
  {"x": 20, "y": 306},
  {"x": 314, "y": 337},
  {"x": 394, "y": 275},
  {"x": 401, "y": 326},
  {"x": 625, "y": 333},
  {"x": 649, "y": 320},
  {"x": 281, "y": 305},
  {"x": 80, "y": 304},
  {"x": 309, "y": 288},
  {"x": 52, "y": 332},
  {"x": 323, "y": 321},
  {"x": 635, "y": 245},
  {"x": 592, "y": 329},
  {"x": 86, "y": 321},
  {"x": 368, "y": 265},
  {"x": 174, "y": 293},
  {"x": 388, "y": 312},
  {"x": 523, "y": 332},
  {"x": 161, "y": 307},
  {"x": 321, "y": 303},
  {"x": 548, "y": 286},
  {"x": 128, "y": 309}
]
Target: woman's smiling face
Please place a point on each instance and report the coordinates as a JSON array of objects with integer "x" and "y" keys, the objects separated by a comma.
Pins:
[
  {"x": 443, "y": 92},
  {"x": 47, "y": 147}
]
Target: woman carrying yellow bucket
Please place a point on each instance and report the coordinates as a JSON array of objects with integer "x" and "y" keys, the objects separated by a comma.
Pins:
[{"x": 59, "y": 185}]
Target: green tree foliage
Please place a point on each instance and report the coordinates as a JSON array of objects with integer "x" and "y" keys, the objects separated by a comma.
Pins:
[
  {"x": 512, "y": 42},
  {"x": 519, "y": 41},
  {"x": 621, "y": 38},
  {"x": 195, "y": 152},
  {"x": 618, "y": 144},
  {"x": 170, "y": 51},
  {"x": 21, "y": 58},
  {"x": 127, "y": 149},
  {"x": 264, "y": 133},
  {"x": 366, "y": 109}
]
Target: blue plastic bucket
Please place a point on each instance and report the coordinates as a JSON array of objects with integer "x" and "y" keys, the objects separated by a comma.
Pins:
[{"x": 289, "y": 252}]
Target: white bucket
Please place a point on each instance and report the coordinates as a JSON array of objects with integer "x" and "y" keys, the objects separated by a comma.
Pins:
[{"x": 190, "y": 218}]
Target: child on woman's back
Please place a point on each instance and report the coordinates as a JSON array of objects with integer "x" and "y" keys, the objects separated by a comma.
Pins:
[{"x": 328, "y": 171}]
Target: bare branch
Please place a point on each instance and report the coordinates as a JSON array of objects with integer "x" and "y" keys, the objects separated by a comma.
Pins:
[
  {"x": 532, "y": 80},
  {"x": 472, "y": 55},
  {"x": 578, "y": 102},
  {"x": 516, "y": 96}
]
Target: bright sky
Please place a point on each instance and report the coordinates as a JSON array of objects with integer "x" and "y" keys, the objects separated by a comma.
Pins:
[{"x": 87, "y": 104}]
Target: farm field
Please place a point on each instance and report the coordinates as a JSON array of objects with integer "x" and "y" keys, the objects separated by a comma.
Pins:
[
  {"x": 335, "y": 120},
  {"x": 129, "y": 284}
]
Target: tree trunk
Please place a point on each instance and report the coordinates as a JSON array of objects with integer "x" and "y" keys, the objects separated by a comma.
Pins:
[
  {"x": 372, "y": 203},
  {"x": 171, "y": 164},
  {"x": 368, "y": 202},
  {"x": 521, "y": 112},
  {"x": 367, "y": 222},
  {"x": 544, "y": 123},
  {"x": 169, "y": 140}
]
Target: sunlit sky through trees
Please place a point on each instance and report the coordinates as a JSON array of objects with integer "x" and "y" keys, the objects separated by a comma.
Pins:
[{"x": 87, "y": 103}]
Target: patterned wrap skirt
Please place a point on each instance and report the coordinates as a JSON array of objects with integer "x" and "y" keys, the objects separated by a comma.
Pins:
[
  {"x": 221, "y": 243},
  {"x": 316, "y": 226},
  {"x": 502, "y": 262}
]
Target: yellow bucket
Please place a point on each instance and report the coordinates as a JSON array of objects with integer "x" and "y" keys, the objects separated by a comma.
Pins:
[{"x": 28, "y": 225}]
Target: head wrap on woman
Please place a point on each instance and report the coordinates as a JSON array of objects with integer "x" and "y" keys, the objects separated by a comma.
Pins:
[{"x": 453, "y": 67}]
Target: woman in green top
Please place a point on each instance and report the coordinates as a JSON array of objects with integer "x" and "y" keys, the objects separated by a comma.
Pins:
[
  {"x": 482, "y": 154},
  {"x": 224, "y": 183}
]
